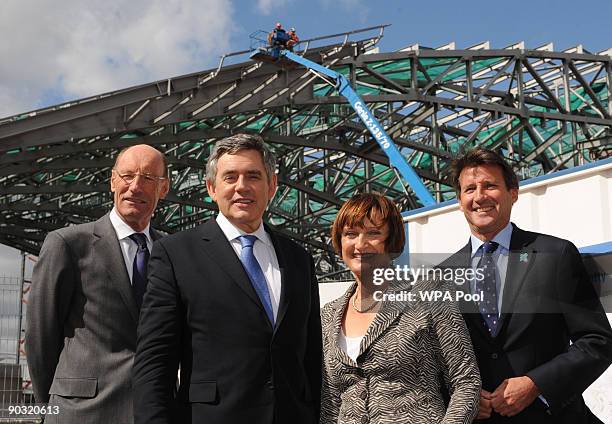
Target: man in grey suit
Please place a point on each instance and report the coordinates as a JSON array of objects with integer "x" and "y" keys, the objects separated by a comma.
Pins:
[{"x": 87, "y": 289}]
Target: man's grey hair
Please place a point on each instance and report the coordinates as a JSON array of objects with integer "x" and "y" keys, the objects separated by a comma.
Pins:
[{"x": 236, "y": 143}]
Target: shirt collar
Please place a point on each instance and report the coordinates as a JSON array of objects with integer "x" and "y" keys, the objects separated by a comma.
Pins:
[
  {"x": 502, "y": 238},
  {"x": 232, "y": 232},
  {"x": 123, "y": 230}
]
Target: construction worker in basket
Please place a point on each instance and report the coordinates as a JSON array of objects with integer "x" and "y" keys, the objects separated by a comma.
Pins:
[
  {"x": 278, "y": 37},
  {"x": 293, "y": 39}
]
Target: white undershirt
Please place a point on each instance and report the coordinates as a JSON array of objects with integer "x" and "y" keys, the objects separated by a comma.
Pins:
[
  {"x": 264, "y": 252},
  {"x": 350, "y": 345},
  {"x": 128, "y": 246}
]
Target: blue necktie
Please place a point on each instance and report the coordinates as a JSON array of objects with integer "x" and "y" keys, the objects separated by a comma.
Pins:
[
  {"x": 139, "y": 269},
  {"x": 488, "y": 305},
  {"x": 256, "y": 275}
]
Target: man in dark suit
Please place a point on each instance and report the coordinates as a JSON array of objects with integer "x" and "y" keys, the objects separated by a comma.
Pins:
[
  {"x": 87, "y": 288},
  {"x": 537, "y": 298},
  {"x": 235, "y": 305}
]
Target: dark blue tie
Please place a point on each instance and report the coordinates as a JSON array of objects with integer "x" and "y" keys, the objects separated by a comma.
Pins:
[
  {"x": 256, "y": 275},
  {"x": 139, "y": 269},
  {"x": 488, "y": 305}
]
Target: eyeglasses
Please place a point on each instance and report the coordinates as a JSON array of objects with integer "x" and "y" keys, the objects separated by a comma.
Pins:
[{"x": 129, "y": 177}]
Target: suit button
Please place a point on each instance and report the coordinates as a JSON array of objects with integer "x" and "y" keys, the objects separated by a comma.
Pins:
[
  {"x": 270, "y": 384},
  {"x": 364, "y": 419},
  {"x": 494, "y": 356},
  {"x": 363, "y": 395}
]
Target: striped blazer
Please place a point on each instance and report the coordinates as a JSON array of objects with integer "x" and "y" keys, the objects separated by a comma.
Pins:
[{"x": 408, "y": 358}]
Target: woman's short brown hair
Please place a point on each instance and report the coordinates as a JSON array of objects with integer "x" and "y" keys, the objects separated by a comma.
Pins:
[{"x": 379, "y": 210}]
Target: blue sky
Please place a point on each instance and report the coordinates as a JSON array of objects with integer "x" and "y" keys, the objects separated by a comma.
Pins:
[
  {"x": 436, "y": 23},
  {"x": 77, "y": 48}
]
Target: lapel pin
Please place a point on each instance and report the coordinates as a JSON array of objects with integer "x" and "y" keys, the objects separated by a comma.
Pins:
[{"x": 524, "y": 257}]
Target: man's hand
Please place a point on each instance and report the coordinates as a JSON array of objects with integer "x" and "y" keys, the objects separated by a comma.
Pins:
[
  {"x": 484, "y": 408},
  {"x": 514, "y": 395}
]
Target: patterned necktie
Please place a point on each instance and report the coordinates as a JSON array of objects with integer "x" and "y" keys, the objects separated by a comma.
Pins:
[
  {"x": 256, "y": 275},
  {"x": 488, "y": 286},
  {"x": 139, "y": 269}
]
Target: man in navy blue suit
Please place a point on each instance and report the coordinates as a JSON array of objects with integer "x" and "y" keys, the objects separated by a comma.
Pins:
[
  {"x": 236, "y": 305},
  {"x": 540, "y": 300}
]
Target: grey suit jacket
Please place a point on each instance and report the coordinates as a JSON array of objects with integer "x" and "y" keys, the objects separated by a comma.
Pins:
[
  {"x": 411, "y": 353},
  {"x": 81, "y": 326}
]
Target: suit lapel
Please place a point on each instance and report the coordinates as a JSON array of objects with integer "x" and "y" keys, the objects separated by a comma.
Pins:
[
  {"x": 520, "y": 261},
  {"x": 462, "y": 259},
  {"x": 285, "y": 273},
  {"x": 383, "y": 319},
  {"x": 155, "y": 235},
  {"x": 339, "y": 353},
  {"x": 220, "y": 251},
  {"x": 108, "y": 251}
]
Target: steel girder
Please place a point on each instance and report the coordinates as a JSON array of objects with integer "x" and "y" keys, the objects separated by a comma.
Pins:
[{"x": 543, "y": 110}]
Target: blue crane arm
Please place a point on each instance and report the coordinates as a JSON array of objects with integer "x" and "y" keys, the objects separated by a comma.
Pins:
[{"x": 369, "y": 120}]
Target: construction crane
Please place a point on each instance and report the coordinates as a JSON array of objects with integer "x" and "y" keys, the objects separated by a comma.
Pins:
[{"x": 285, "y": 58}]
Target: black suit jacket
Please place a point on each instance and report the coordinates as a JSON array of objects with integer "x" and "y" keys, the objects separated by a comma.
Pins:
[
  {"x": 548, "y": 300},
  {"x": 201, "y": 311}
]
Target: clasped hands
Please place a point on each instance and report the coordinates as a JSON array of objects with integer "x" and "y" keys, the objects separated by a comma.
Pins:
[{"x": 511, "y": 397}]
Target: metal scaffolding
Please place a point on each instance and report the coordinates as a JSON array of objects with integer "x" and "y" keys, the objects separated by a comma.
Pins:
[{"x": 543, "y": 110}]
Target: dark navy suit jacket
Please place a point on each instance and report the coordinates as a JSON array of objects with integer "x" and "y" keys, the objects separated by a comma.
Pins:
[
  {"x": 548, "y": 301},
  {"x": 201, "y": 311}
]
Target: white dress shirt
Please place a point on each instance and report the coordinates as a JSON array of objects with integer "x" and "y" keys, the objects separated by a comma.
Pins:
[
  {"x": 128, "y": 246},
  {"x": 264, "y": 252}
]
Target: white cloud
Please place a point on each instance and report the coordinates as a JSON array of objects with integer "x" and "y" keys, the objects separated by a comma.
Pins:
[
  {"x": 74, "y": 48},
  {"x": 52, "y": 51},
  {"x": 265, "y": 7}
]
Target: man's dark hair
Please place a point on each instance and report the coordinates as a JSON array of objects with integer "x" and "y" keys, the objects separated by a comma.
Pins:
[
  {"x": 237, "y": 143},
  {"x": 481, "y": 156}
]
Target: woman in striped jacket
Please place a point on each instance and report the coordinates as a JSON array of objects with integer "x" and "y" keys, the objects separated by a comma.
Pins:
[{"x": 391, "y": 362}]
